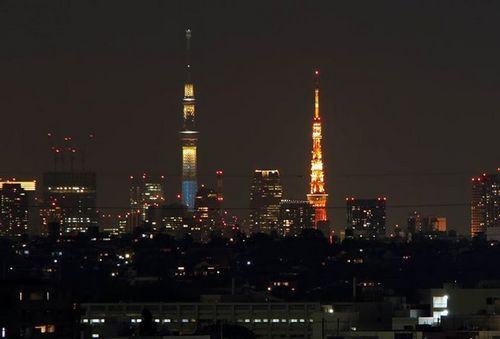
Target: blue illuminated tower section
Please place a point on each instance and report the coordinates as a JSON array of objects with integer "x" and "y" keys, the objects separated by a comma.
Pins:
[{"x": 189, "y": 136}]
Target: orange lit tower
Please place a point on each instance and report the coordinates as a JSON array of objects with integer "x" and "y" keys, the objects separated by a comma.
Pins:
[
  {"x": 317, "y": 196},
  {"x": 189, "y": 136}
]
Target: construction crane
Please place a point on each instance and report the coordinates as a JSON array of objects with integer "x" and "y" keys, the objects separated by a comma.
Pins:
[{"x": 66, "y": 148}]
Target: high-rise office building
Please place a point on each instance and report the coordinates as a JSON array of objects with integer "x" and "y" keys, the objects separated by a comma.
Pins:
[
  {"x": 70, "y": 199},
  {"x": 189, "y": 136},
  {"x": 485, "y": 205},
  {"x": 317, "y": 196},
  {"x": 14, "y": 208},
  {"x": 294, "y": 216},
  {"x": 366, "y": 217},
  {"x": 206, "y": 213},
  {"x": 24, "y": 194},
  {"x": 146, "y": 193},
  {"x": 265, "y": 198}
]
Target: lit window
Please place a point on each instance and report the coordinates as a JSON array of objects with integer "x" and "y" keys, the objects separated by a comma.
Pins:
[
  {"x": 46, "y": 328},
  {"x": 436, "y": 315},
  {"x": 440, "y": 302}
]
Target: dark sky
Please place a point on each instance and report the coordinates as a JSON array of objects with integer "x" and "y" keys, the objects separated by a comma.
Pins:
[{"x": 410, "y": 93}]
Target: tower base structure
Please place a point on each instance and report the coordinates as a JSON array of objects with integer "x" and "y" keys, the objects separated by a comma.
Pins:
[{"x": 318, "y": 201}]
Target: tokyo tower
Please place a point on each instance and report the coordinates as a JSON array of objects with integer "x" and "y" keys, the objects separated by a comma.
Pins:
[{"x": 317, "y": 196}]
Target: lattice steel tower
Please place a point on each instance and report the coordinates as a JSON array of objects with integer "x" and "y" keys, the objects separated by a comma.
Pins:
[
  {"x": 317, "y": 196},
  {"x": 189, "y": 135}
]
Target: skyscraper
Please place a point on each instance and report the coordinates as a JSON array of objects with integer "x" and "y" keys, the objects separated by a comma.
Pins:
[
  {"x": 366, "y": 217},
  {"x": 189, "y": 136},
  {"x": 14, "y": 209},
  {"x": 25, "y": 197},
  {"x": 70, "y": 199},
  {"x": 485, "y": 205},
  {"x": 207, "y": 213},
  {"x": 317, "y": 196},
  {"x": 265, "y": 198},
  {"x": 145, "y": 193}
]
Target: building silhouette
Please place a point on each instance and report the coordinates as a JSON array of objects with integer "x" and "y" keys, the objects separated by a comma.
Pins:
[
  {"x": 366, "y": 218},
  {"x": 70, "y": 199},
  {"x": 16, "y": 204},
  {"x": 146, "y": 194},
  {"x": 414, "y": 222},
  {"x": 294, "y": 216},
  {"x": 207, "y": 213},
  {"x": 485, "y": 205}
]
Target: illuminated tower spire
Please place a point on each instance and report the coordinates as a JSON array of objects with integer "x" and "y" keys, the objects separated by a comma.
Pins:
[
  {"x": 189, "y": 135},
  {"x": 317, "y": 196}
]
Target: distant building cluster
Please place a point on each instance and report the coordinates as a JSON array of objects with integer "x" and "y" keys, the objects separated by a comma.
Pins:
[{"x": 67, "y": 198}]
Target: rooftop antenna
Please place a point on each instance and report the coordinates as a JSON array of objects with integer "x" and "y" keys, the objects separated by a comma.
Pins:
[
  {"x": 220, "y": 194},
  {"x": 88, "y": 140},
  {"x": 56, "y": 150},
  {"x": 68, "y": 148},
  {"x": 188, "y": 54}
]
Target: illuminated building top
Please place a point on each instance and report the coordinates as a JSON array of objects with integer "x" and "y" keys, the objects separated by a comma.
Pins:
[{"x": 25, "y": 185}]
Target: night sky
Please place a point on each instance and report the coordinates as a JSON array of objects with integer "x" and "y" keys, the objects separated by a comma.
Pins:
[{"x": 410, "y": 94}]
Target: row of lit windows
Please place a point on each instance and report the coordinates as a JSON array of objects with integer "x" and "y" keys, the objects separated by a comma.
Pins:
[
  {"x": 69, "y": 189},
  {"x": 185, "y": 320}
]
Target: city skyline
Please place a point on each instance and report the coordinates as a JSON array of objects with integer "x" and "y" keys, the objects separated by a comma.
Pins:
[
  {"x": 249, "y": 169},
  {"x": 374, "y": 150}
]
